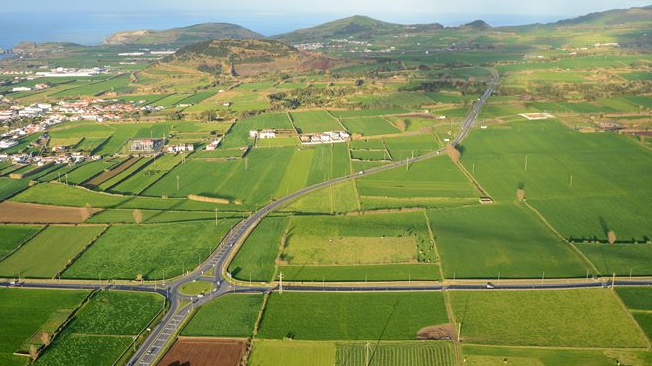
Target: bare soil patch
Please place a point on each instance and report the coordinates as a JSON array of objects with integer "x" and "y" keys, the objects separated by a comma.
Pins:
[
  {"x": 30, "y": 213},
  {"x": 437, "y": 332},
  {"x": 204, "y": 352}
]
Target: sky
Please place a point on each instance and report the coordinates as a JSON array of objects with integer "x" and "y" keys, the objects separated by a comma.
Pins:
[{"x": 89, "y": 21}]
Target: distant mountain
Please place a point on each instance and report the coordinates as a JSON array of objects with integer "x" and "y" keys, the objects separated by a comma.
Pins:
[
  {"x": 612, "y": 17},
  {"x": 359, "y": 27},
  {"x": 230, "y": 57},
  {"x": 179, "y": 37},
  {"x": 478, "y": 24}
]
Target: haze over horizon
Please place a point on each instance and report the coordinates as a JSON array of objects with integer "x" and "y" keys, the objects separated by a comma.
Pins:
[{"x": 89, "y": 23}]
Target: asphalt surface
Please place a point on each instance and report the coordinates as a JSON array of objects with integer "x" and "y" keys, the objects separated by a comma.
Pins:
[{"x": 182, "y": 306}]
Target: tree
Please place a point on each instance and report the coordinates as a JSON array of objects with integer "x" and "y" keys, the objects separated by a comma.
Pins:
[
  {"x": 611, "y": 236},
  {"x": 87, "y": 212},
  {"x": 454, "y": 154},
  {"x": 138, "y": 216},
  {"x": 520, "y": 194},
  {"x": 139, "y": 277},
  {"x": 45, "y": 338}
]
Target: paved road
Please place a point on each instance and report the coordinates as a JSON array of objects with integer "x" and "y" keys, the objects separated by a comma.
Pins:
[{"x": 181, "y": 306}]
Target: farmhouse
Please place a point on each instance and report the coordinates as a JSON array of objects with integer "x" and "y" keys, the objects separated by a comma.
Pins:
[
  {"x": 264, "y": 134},
  {"x": 213, "y": 145},
  {"x": 181, "y": 148},
  {"x": 146, "y": 145}
]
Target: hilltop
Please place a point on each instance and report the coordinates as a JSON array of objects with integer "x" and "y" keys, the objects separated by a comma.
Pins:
[
  {"x": 247, "y": 56},
  {"x": 360, "y": 27},
  {"x": 179, "y": 37}
]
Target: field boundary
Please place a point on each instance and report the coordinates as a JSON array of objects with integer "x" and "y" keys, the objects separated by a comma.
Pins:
[
  {"x": 24, "y": 241},
  {"x": 554, "y": 231},
  {"x": 81, "y": 252}
]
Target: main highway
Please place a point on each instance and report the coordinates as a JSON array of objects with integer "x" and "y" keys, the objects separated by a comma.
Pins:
[{"x": 182, "y": 306}]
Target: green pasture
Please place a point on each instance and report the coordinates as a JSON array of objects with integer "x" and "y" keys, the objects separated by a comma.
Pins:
[
  {"x": 360, "y": 273},
  {"x": 350, "y": 316},
  {"x": 369, "y": 126},
  {"x": 12, "y": 236},
  {"x": 24, "y": 312},
  {"x": 505, "y": 241},
  {"x": 139, "y": 181},
  {"x": 621, "y": 259},
  {"x": 329, "y": 161},
  {"x": 126, "y": 174},
  {"x": 233, "y": 315},
  {"x": 314, "y": 122},
  {"x": 581, "y": 183},
  {"x": 152, "y": 251},
  {"x": 258, "y": 176},
  {"x": 271, "y": 352},
  {"x": 636, "y": 298},
  {"x": 348, "y": 240},
  {"x": 338, "y": 198},
  {"x": 9, "y": 187},
  {"x": 564, "y": 318},
  {"x": 126, "y": 216},
  {"x": 49, "y": 252},
  {"x": 256, "y": 258},
  {"x": 60, "y": 194},
  {"x": 496, "y": 356}
]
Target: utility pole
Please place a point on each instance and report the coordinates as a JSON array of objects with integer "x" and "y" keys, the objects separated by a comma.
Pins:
[
  {"x": 459, "y": 331},
  {"x": 177, "y": 182},
  {"x": 215, "y": 216},
  {"x": 613, "y": 281},
  {"x": 571, "y": 180},
  {"x": 526, "y": 162},
  {"x": 280, "y": 277}
]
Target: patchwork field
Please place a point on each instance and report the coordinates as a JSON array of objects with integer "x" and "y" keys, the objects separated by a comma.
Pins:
[
  {"x": 567, "y": 318},
  {"x": 315, "y": 122},
  {"x": 256, "y": 259},
  {"x": 396, "y": 354},
  {"x": 151, "y": 251},
  {"x": 23, "y": 313},
  {"x": 17, "y": 212},
  {"x": 351, "y": 316},
  {"x": 103, "y": 329},
  {"x": 49, "y": 252}
]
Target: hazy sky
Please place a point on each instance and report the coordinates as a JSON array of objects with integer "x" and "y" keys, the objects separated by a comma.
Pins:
[{"x": 89, "y": 21}]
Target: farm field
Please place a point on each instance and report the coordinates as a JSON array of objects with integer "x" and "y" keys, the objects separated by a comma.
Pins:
[
  {"x": 351, "y": 316},
  {"x": 258, "y": 177},
  {"x": 600, "y": 172},
  {"x": 62, "y": 195},
  {"x": 152, "y": 251},
  {"x": 204, "y": 352},
  {"x": 103, "y": 329},
  {"x": 49, "y": 252},
  {"x": 256, "y": 258},
  {"x": 18, "y": 212},
  {"x": 314, "y": 122},
  {"x": 126, "y": 216},
  {"x": 24, "y": 312},
  {"x": 369, "y": 126},
  {"x": 329, "y": 161},
  {"x": 621, "y": 259},
  {"x": 12, "y": 236},
  {"x": 360, "y": 273},
  {"x": 338, "y": 198},
  {"x": 435, "y": 182},
  {"x": 495, "y": 356},
  {"x": 396, "y": 354},
  {"x": 239, "y": 134},
  {"x": 9, "y": 187},
  {"x": 638, "y": 301},
  {"x": 473, "y": 246},
  {"x": 566, "y": 318},
  {"x": 270, "y": 352},
  {"x": 212, "y": 319},
  {"x": 368, "y": 239},
  {"x": 123, "y": 175},
  {"x": 139, "y": 181}
]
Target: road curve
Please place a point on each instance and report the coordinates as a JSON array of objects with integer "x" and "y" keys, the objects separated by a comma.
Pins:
[{"x": 149, "y": 352}]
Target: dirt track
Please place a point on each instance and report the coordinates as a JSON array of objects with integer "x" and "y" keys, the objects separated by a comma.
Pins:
[{"x": 204, "y": 352}]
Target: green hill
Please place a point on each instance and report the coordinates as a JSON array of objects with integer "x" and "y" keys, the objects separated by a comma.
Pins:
[
  {"x": 179, "y": 37},
  {"x": 359, "y": 27}
]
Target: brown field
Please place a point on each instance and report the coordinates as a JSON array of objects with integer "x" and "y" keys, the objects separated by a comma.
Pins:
[
  {"x": 29, "y": 213},
  {"x": 106, "y": 175},
  {"x": 204, "y": 352}
]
